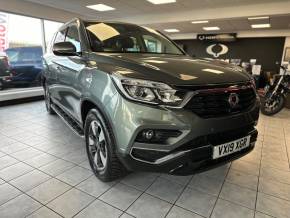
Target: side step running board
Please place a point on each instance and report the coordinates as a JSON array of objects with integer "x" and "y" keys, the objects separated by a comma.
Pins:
[{"x": 68, "y": 121}]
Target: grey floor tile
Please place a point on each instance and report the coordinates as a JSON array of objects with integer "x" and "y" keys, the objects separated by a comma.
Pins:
[
  {"x": 196, "y": 201},
  {"x": 121, "y": 196},
  {"x": 177, "y": 212},
  {"x": 165, "y": 190},
  {"x": 140, "y": 181},
  {"x": 15, "y": 147},
  {"x": 218, "y": 173},
  {"x": 7, "y": 161},
  {"x": 99, "y": 209},
  {"x": 61, "y": 150},
  {"x": 242, "y": 179},
  {"x": 262, "y": 215},
  {"x": 2, "y": 154},
  {"x": 246, "y": 167},
  {"x": 15, "y": 171},
  {"x": 71, "y": 202},
  {"x": 44, "y": 212},
  {"x": 26, "y": 154},
  {"x": 94, "y": 186},
  {"x": 85, "y": 164},
  {"x": 239, "y": 195},
  {"x": 7, "y": 192},
  {"x": 206, "y": 184},
  {"x": 56, "y": 167},
  {"x": 280, "y": 165},
  {"x": 6, "y": 141},
  {"x": 148, "y": 206},
  {"x": 182, "y": 180},
  {"x": 273, "y": 206},
  {"x": 76, "y": 157},
  {"x": 2, "y": 181},
  {"x": 19, "y": 207},
  {"x": 47, "y": 145},
  {"x": 274, "y": 188},
  {"x": 75, "y": 175},
  {"x": 40, "y": 160},
  {"x": 253, "y": 157},
  {"x": 30, "y": 180},
  {"x": 32, "y": 141},
  {"x": 275, "y": 174},
  {"x": 225, "y": 209},
  {"x": 48, "y": 190},
  {"x": 125, "y": 215}
]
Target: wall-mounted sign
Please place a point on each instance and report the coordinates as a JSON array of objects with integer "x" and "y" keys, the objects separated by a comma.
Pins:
[
  {"x": 3, "y": 31},
  {"x": 223, "y": 37},
  {"x": 217, "y": 50}
]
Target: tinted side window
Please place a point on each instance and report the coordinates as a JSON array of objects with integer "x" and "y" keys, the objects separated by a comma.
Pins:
[
  {"x": 60, "y": 36},
  {"x": 73, "y": 37}
]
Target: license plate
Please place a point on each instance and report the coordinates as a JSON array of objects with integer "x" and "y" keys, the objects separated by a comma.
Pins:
[{"x": 230, "y": 147}]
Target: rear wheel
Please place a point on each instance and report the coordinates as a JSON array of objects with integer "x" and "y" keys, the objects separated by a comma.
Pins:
[
  {"x": 101, "y": 149},
  {"x": 47, "y": 100}
]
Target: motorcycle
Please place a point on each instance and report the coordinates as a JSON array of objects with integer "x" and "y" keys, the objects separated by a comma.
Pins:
[{"x": 275, "y": 95}]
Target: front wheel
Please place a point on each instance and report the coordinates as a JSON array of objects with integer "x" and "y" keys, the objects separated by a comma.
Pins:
[
  {"x": 272, "y": 106},
  {"x": 101, "y": 148}
]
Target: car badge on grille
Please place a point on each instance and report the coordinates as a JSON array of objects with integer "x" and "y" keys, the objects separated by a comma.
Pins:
[{"x": 233, "y": 100}]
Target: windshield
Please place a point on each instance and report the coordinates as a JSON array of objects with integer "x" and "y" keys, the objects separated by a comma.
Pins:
[{"x": 128, "y": 38}]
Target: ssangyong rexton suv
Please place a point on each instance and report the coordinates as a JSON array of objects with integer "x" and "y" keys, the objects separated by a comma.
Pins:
[{"x": 143, "y": 104}]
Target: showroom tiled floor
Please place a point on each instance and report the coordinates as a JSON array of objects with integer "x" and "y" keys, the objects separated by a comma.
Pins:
[{"x": 44, "y": 173}]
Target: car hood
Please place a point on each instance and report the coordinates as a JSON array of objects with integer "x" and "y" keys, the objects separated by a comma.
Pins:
[{"x": 175, "y": 69}]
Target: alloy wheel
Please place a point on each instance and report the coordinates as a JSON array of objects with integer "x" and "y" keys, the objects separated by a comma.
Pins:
[{"x": 97, "y": 146}]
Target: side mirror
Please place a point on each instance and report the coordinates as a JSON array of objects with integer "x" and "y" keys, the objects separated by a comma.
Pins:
[{"x": 64, "y": 49}]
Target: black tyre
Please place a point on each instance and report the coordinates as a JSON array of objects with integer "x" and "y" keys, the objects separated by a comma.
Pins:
[
  {"x": 274, "y": 107},
  {"x": 101, "y": 148},
  {"x": 47, "y": 100}
]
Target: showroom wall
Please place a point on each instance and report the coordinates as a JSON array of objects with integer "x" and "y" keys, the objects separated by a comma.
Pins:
[{"x": 267, "y": 51}]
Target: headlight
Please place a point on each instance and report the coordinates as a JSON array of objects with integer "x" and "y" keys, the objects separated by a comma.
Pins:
[{"x": 149, "y": 92}]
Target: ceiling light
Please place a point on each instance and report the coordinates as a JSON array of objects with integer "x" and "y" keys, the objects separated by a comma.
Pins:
[
  {"x": 159, "y": 2},
  {"x": 258, "y": 18},
  {"x": 100, "y": 7},
  {"x": 199, "y": 21},
  {"x": 211, "y": 28},
  {"x": 260, "y": 26},
  {"x": 171, "y": 30}
]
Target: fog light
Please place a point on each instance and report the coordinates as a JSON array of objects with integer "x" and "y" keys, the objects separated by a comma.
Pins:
[
  {"x": 159, "y": 136},
  {"x": 148, "y": 134}
]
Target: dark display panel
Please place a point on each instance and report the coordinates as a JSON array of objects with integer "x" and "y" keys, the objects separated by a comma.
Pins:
[{"x": 267, "y": 51}]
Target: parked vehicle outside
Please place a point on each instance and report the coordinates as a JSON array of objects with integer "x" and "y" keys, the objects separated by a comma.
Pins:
[
  {"x": 26, "y": 65},
  {"x": 142, "y": 103},
  {"x": 4, "y": 70}
]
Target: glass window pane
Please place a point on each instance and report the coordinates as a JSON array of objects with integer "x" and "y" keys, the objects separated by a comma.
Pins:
[
  {"x": 60, "y": 36},
  {"x": 73, "y": 37},
  {"x": 21, "y": 56},
  {"x": 50, "y": 28}
]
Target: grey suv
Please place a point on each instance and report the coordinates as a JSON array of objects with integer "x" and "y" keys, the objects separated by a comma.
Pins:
[{"x": 143, "y": 104}]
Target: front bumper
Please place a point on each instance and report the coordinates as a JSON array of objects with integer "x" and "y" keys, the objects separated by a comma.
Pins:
[
  {"x": 188, "y": 161},
  {"x": 191, "y": 151}
]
